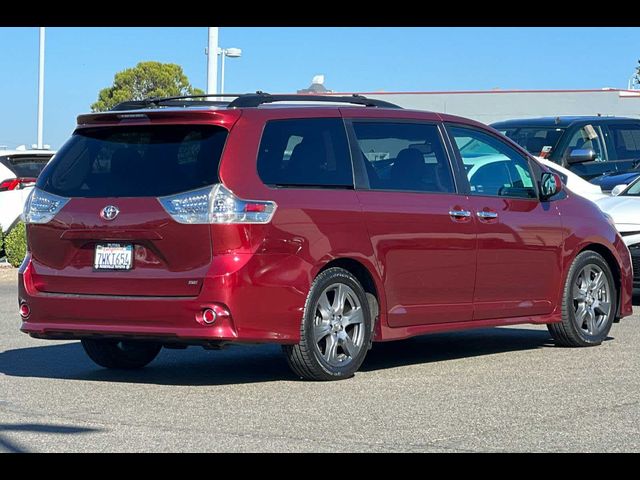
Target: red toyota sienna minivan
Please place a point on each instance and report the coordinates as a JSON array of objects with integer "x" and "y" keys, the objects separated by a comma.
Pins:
[{"x": 323, "y": 226}]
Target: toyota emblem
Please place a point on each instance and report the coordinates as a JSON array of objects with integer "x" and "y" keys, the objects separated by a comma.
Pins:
[{"x": 109, "y": 212}]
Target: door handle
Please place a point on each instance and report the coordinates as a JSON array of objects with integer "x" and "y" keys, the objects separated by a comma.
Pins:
[
  {"x": 487, "y": 215},
  {"x": 460, "y": 213}
]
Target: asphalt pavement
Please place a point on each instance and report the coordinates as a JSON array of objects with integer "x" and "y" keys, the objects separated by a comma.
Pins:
[{"x": 489, "y": 390}]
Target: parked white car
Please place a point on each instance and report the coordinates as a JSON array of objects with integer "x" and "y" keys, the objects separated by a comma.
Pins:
[
  {"x": 624, "y": 207},
  {"x": 19, "y": 170},
  {"x": 575, "y": 183}
]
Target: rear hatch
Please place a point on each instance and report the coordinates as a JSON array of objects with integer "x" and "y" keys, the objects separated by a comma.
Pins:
[{"x": 109, "y": 179}]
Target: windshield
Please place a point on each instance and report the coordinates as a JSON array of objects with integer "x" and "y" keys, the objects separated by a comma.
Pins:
[
  {"x": 135, "y": 161},
  {"x": 538, "y": 141},
  {"x": 25, "y": 166},
  {"x": 632, "y": 190}
]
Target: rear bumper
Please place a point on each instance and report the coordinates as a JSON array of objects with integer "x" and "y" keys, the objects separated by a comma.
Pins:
[{"x": 264, "y": 307}]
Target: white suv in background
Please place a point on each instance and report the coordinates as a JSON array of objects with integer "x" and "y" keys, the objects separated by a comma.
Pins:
[{"x": 19, "y": 170}]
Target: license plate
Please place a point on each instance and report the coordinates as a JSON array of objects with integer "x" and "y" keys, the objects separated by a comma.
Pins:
[{"x": 113, "y": 256}]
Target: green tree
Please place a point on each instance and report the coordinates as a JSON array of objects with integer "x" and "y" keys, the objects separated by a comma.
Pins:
[
  {"x": 636, "y": 80},
  {"x": 146, "y": 79},
  {"x": 15, "y": 244}
]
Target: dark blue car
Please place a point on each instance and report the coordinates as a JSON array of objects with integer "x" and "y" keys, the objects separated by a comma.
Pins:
[{"x": 602, "y": 150}]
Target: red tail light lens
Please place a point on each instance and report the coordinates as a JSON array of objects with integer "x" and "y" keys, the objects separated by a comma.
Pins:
[
  {"x": 16, "y": 183},
  {"x": 216, "y": 204},
  {"x": 255, "y": 207}
]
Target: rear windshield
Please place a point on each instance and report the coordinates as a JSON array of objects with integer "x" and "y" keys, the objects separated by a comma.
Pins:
[
  {"x": 135, "y": 161},
  {"x": 25, "y": 166},
  {"x": 539, "y": 141}
]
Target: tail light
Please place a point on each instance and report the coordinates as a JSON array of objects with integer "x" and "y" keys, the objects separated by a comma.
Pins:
[
  {"x": 42, "y": 206},
  {"x": 16, "y": 183},
  {"x": 216, "y": 204}
]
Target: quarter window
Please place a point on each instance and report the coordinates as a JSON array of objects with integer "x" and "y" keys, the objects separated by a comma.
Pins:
[
  {"x": 626, "y": 141},
  {"x": 493, "y": 168},
  {"x": 404, "y": 156},
  {"x": 311, "y": 152}
]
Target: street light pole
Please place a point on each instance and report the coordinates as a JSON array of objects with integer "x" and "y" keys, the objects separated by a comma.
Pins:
[
  {"x": 231, "y": 53},
  {"x": 212, "y": 61},
  {"x": 223, "y": 54},
  {"x": 41, "y": 89}
]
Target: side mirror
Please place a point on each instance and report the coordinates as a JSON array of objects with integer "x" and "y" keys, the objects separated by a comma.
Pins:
[
  {"x": 550, "y": 184},
  {"x": 618, "y": 189},
  {"x": 580, "y": 155}
]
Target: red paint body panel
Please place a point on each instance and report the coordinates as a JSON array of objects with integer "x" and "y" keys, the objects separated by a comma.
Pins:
[
  {"x": 519, "y": 256},
  {"x": 167, "y": 255},
  {"x": 582, "y": 230},
  {"x": 427, "y": 259},
  {"x": 431, "y": 273}
]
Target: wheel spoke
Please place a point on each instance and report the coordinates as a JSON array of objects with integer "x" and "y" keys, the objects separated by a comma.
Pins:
[
  {"x": 591, "y": 321},
  {"x": 581, "y": 312},
  {"x": 355, "y": 317},
  {"x": 324, "y": 306},
  {"x": 331, "y": 350},
  {"x": 321, "y": 331},
  {"x": 603, "y": 308},
  {"x": 579, "y": 293},
  {"x": 598, "y": 282},
  {"x": 349, "y": 347},
  {"x": 339, "y": 298},
  {"x": 587, "y": 275}
]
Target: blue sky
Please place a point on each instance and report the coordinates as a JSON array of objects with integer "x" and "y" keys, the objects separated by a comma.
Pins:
[{"x": 81, "y": 61}]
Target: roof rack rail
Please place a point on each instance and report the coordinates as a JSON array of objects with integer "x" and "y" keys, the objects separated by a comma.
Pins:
[
  {"x": 248, "y": 100},
  {"x": 175, "y": 101},
  {"x": 256, "y": 99}
]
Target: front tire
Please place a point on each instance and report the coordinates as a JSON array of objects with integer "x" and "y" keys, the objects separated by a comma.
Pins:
[
  {"x": 335, "y": 332},
  {"x": 589, "y": 303},
  {"x": 125, "y": 354}
]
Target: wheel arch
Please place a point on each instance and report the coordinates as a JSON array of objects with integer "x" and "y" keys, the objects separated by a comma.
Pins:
[{"x": 369, "y": 282}]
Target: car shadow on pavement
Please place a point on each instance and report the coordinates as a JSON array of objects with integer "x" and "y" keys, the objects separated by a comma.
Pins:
[
  {"x": 14, "y": 447},
  {"x": 454, "y": 345},
  {"x": 264, "y": 363}
]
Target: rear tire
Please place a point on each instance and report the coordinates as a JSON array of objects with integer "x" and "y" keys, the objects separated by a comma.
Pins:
[
  {"x": 121, "y": 354},
  {"x": 589, "y": 303},
  {"x": 335, "y": 332}
]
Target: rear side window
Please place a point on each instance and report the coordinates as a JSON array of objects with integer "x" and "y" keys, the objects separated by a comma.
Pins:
[
  {"x": 135, "y": 161},
  {"x": 311, "y": 152},
  {"x": 404, "y": 156},
  {"x": 626, "y": 140},
  {"x": 28, "y": 166}
]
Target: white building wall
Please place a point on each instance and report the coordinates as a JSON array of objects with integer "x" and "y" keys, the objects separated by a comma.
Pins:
[{"x": 491, "y": 106}]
